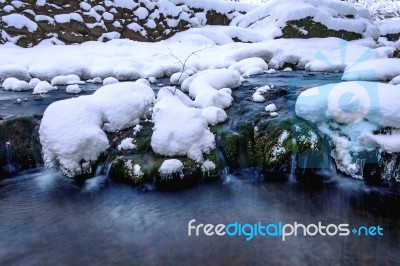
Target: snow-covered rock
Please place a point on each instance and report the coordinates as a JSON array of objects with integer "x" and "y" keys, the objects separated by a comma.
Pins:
[
  {"x": 127, "y": 144},
  {"x": 371, "y": 70},
  {"x": 43, "y": 87},
  {"x": 110, "y": 80},
  {"x": 13, "y": 84},
  {"x": 350, "y": 114},
  {"x": 188, "y": 135},
  {"x": 206, "y": 87},
  {"x": 214, "y": 115},
  {"x": 170, "y": 167},
  {"x": 73, "y": 89},
  {"x": 270, "y": 108},
  {"x": 66, "y": 80},
  {"x": 72, "y": 131},
  {"x": 250, "y": 66}
]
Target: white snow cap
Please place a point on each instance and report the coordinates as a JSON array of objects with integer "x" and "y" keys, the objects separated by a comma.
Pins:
[
  {"x": 127, "y": 144},
  {"x": 170, "y": 167},
  {"x": 43, "y": 87},
  {"x": 188, "y": 134},
  {"x": 13, "y": 84},
  {"x": 110, "y": 80},
  {"x": 73, "y": 89},
  {"x": 72, "y": 131},
  {"x": 66, "y": 80}
]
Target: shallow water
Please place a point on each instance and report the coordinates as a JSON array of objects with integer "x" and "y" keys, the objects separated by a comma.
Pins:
[{"x": 48, "y": 219}]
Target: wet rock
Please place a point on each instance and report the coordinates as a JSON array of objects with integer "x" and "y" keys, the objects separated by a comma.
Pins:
[{"x": 20, "y": 148}]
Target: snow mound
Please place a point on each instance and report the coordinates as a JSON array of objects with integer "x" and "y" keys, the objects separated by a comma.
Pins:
[
  {"x": 13, "y": 84},
  {"x": 19, "y": 21},
  {"x": 110, "y": 80},
  {"x": 73, "y": 89},
  {"x": 188, "y": 134},
  {"x": 351, "y": 113},
  {"x": 270, "y": 108},
  {"x": 250, "y": 66},
  {"x": 127, "y": 144},
  {"x": 206, "y": 87},
  {"x": 43, "y": 87},
  {"x": 384, "y": 69},
  {"x": 395, "y": 81},
  {"x": 14, "y": 71},
  {"x": 214, "y": 115},
  {"x": 66, "y": 80},
  {"x": 72, "y": 131},
  {"x": 170, "y": 167}
]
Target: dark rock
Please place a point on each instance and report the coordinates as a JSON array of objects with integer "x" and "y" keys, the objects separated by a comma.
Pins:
[
  {"x": 308, "y": 28},
  {"x": 20, "y": 148}
]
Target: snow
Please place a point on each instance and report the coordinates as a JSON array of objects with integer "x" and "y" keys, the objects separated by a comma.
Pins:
[
  {"x": 379, "y": 69},
  {"x": 270, "y": 108},
  {"x": 85, "y": 6},
  {"x": 66, "y": 80},
  {"x": 350, "y": 113},
  {"x": 108, "y": 16},
  {"x": 128, "y": 4},
  {"x": 8, "y": 8},
  {"x": 270, "y": 18},
  {"x": 188, "y": 135},
  {"x": 388, "y": 27},
  {"x": 13, "y": 84},
  {"x": 214, "y": 115},
  {"x": 178, "y": 78},
  {"x": 127, "y": 144},
  {"x": 15, "y": 71},
  {"x": 395, "y": 81},
  {"x": 73, "y": 89},
  {"x": 257, "y": 97},
  {"x": 208, "y": 166},
  {"x": 19, "y": 21},
  {"x": 170, "y": 167},
  {"x": 288, "y": 69},
  {"x": 250, "y": 66},
  {"x": 97, "y": 80},
  {"x": 43, "y": 87},
  {"x": 66, "y": 18},
  {"x": 273, "y": 114},
  {"x": 141, "y": 13},
  {"x": 33, "y": 82},
  {"x": 72, "y": 130},
  {"x": 110, "y": 80},
  {"x": 49, "y": 20},
  {"x": 205, "y": 87}
]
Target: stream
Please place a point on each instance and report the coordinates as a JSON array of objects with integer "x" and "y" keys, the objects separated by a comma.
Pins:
[{"x": 48, "y": 219}]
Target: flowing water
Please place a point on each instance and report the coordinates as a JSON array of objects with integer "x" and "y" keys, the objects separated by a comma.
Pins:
[{"x": 47, "y": 219}]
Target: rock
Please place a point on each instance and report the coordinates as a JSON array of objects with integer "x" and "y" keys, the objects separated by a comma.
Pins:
[
  {"x": 308, "y": 28},
  {"x": 20, "y": 148}
]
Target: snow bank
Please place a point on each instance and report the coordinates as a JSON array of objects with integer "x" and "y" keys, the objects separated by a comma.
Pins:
[
  {"x": 72, "y": 131},
  {"x": 206, "y": 87},
  {"x": 14, "y": 71},
  {"x": 379, "y": 69},
  {"x": 188, "y": 134},
  {"x": 350, "y": 113}
]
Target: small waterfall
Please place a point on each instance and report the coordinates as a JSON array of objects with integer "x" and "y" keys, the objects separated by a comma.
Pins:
[
  {"x": 9, "y": 168},
  {"x": 293, "y": 167},
  {"x": 103, "y": 168}
]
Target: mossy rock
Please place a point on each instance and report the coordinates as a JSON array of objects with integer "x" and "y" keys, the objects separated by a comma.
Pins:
[
  {"x": 19, "y": 145},
  {"x": 308, "y": 28},
  {"x": 279, "y": 144}
]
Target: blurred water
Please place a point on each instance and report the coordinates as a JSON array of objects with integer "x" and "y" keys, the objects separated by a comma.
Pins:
[{"x": 46, "y": 219}]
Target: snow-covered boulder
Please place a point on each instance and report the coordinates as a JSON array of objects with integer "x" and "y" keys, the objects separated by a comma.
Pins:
[
  {"x": 207, "y": 87},
  {"x": 73, "y": 89},
  {"x": 250, "y": 66},
  {"x": 352, "y": 115},
  {"x": 43, "y": 87},
  {"x": 66, "y": 80},
  {"x": 384, "y": 69},
  {"x": 72, "y": 131},
  {"x": 188, "y": 135},
  {"x": 13, "y": 84}
]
